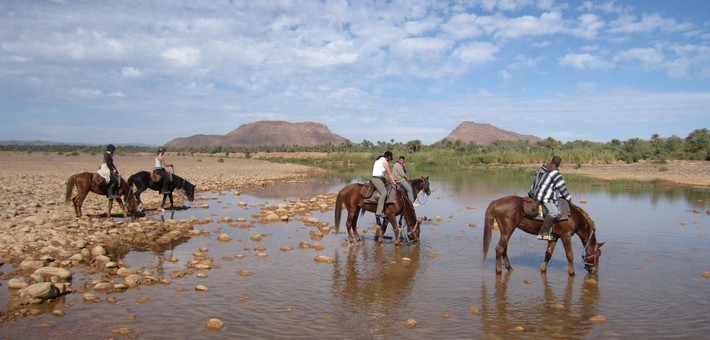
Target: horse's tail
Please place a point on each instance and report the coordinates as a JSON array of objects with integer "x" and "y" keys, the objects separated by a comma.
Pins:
[
  {"x": 71, "y": 183},
  {"x": 488, "y": 229},
  {"x": 338, "y": 210}
]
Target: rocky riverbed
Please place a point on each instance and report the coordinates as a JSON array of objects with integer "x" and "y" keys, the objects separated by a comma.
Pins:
[{"x": 44, "y": 242}]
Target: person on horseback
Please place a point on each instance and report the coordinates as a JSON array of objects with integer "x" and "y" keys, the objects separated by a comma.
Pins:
[
  {"x": 160, "y": 165},
  {"x": 379, "y": 170},
  {"x": 547, "y": 186},
  {"x": 401, "y": 178},
  {"x": 113, "y": 171}
]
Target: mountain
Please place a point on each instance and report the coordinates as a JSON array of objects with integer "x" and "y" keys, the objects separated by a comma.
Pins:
[
  {"x": 484, "y": 134},
  {"x": 265, "y": 132}
]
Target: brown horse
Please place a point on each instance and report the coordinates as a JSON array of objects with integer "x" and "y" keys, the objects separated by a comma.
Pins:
[
  {"x": 84, "y": 184},
  {"x": 508, "y": 213},
  {"x": 355, "y": 204}
]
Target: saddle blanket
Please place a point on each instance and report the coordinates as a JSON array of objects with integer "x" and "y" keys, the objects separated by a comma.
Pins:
[{"x": 562, "y": 205}]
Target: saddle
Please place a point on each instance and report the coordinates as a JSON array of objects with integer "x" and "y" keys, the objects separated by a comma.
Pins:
[
  {"x": 370, "y": 194},
  {"x": 533, "y": 209},
  {"x": 155, "y": 177},
  {"x": 98, "y": 179}
]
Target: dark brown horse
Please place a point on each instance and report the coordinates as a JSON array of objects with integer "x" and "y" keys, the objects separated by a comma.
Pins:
[
  {"x": 84, "y": 184},
  {"x": 355, "y": 205},
  {"x": 507, "y": 212}
]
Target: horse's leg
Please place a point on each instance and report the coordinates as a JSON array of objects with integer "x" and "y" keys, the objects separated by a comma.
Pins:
[
  {"x": 162, "y": 204},
  {"x": 567, "y": 242},
  {"x": 393, "y": 220},
  {"x": 506, "y": 261},
  {"x": 500, "y": 248},
  {"x": 139, "y": 190},
  {"x": 350, "y": 223},
  {"x": 171, "y": 200},
  {"x": 548, "y": 255},
  {"x": 123, "y": 207},
  {"x": 78, "y": 200},
  {"x": 356, "y": 215},
  {"x": 110, "y": 205}
]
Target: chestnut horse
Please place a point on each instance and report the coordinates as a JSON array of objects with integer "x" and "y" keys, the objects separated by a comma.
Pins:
[
  {"x": 355, "y": 204},
  {"x": 507, "y": 212},
  {"x": 84, "y": 184}
]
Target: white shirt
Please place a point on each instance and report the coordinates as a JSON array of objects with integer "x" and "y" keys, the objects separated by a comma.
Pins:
[{"x": 378, "y": 169}]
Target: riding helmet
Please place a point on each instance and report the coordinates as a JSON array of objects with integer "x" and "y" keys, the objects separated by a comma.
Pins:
[{"x": 110, "y": 147}]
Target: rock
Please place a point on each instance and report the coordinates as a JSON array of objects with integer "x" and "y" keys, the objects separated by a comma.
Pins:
[
  {"x": 42, "y": 291},
  {"x": 123, "y": 271},
  {"x": 17, "y": 283},
  {"x": 47, "y": 272},
  {"x": 98, "y": 250},
  {"x": 214, "y": 324},
  {"x": 323, "y": 258},
  {"x": 411, "y": 323},
  {"x": 201, "y": 288},
  {"x": 224, "y": 238}
]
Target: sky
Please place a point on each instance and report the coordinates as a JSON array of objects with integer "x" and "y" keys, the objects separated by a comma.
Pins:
[{"x": 146, "y": 72}]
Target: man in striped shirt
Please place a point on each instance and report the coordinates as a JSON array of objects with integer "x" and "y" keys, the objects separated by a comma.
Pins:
[{"x": 548, "y": 185}]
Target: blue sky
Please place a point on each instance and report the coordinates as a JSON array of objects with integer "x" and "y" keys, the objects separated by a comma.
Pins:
[{"x": 145, "y": 72}]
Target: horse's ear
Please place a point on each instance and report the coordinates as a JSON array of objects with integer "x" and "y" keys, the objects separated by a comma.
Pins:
[{"x": 600, "y": 244}]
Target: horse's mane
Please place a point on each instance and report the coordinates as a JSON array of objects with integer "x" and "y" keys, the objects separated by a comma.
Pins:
[{"x": 587, "y": 220}]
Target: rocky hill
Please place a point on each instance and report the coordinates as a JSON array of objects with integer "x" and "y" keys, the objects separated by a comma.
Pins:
[
  {"x": 269, "y": 133},
  {"x": 484, "y": 134}
]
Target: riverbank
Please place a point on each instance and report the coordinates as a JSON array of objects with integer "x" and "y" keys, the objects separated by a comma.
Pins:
[{"x": 40, "y": 230}]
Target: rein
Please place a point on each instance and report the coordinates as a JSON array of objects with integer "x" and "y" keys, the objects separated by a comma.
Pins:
[{"x": 585, "y": 257}]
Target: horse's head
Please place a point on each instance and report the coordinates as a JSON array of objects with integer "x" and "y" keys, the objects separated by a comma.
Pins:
[
  {"x": 189, "y": 191},
  {"x": 413, "y": 232},
  {"x": 591, "y": 258},
  {"x": 131, "y": 202},
  {"x": 425, "y": 187}
]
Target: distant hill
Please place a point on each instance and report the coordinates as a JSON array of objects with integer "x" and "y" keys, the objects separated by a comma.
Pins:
[
  {"x": 265, "y": 133},
  {"x": 29, "y": 142},
  {"x": 484, "y": 134}
]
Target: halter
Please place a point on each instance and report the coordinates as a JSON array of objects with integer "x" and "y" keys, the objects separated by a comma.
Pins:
[{"x": 591, "y": 258}]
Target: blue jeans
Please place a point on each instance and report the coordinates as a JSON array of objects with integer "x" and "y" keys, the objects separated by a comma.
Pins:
[
  {"x": 550, "y": 208},
  {"x": 408, "y": 189}
]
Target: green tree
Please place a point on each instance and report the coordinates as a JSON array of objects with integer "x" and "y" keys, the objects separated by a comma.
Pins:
[{"x": 697, "y": 145}]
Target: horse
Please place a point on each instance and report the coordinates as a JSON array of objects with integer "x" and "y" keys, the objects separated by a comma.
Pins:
[
  {"x": 84, "y": 183},
  {"x": 419, "y": 185},
  {"x": 142, "y": 181},
  {"x": 508, "y": 213},
  {"x": 355, "y": 204}
]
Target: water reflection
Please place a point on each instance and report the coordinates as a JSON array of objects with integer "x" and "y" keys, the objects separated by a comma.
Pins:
[
  {"x": 547, "y": 316},
  {"x": 374, "y": 284}
]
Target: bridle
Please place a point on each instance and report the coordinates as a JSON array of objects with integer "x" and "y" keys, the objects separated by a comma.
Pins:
[{"x": 591, "y": 261}]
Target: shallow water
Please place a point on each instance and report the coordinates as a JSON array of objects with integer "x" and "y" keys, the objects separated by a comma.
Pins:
[{"x": 650, "y": 282}]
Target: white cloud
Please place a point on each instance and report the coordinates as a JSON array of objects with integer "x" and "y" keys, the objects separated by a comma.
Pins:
[
  {"x": 648, "y": 58},
  {"x": 182, "y": 56},
  {"x": 131, "y": 72},
  {"x": 584, "y": 61},
  {"x": 588, "y": 26},
  {"x": 476, "y": 53},
  {"x": 627, "y": 24}
]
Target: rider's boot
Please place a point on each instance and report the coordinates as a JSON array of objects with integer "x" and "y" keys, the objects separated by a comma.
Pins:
[
  {"x": 546, "y": 229},
  {"x": 111, "y": 192},
  {"x": 166, "y": 183}
]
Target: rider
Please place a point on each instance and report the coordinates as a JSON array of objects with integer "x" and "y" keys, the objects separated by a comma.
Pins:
[
  {"x": 113, "y": 171},
  {"x": 379, "y": 170},
  {"x": 160, "y": 165},
  {"x": 548, "y": 183},
  {"x": 400, "y": 176}
]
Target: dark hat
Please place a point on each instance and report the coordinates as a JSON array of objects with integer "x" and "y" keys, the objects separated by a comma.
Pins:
[{"x": 110, "y": 147}]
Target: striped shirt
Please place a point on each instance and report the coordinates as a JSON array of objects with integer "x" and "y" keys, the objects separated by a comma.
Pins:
[{"x": 547, "y": 185}]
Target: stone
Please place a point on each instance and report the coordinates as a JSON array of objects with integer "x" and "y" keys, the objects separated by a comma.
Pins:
[{"x": 42, "y": 291}]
